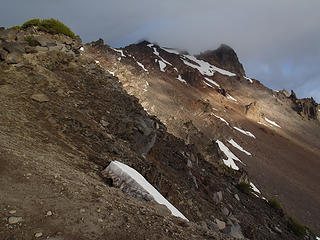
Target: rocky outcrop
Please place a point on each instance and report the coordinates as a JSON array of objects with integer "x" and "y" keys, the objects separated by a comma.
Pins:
[
  {"x": 306, "y": 107},
  {"x": 15, "y": 43},
  {"x": 253, "y": 111},
  {"x": 224, "y": 57}
]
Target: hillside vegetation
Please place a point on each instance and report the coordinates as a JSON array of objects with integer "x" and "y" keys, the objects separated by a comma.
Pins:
[{"x": 51, "y": 25}]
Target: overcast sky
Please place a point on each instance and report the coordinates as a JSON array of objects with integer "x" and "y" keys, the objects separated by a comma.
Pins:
[{"x": 278, "y": 42}]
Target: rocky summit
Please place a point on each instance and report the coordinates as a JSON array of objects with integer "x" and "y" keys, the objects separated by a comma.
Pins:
[{"x": 236, "y": 159}]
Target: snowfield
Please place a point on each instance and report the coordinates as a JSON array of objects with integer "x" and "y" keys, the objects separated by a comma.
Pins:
[
  {"x": 245, "y": 132},
  {"x": 204, "y": 67},
  {"x": 236, "y": 145},
  {"x": 231, "y": 157},
  {"x": 132, "y": 182}
]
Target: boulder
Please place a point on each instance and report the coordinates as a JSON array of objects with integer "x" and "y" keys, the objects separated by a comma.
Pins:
[
  {"x": 233, "y": 230},
  {"x": 15, "y": 220},
  {"x": 217, "y": 197},
  {"x": 225, "y": 211},
  {"x": 13, "y": 58},
  {"x": 39, "y": 97},
  {"x": 220, "y": 224},
  {"x": 236, "y": 196},
  {"x": 41, "y": 49}
]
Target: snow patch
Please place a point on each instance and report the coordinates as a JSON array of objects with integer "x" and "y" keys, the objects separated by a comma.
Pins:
[
  {"x": 261, "y": 123},
  {"x": 119, "y": 51},
  {"x": 155, "y": 52},
  {"x": 204, "y": 67},
  {"x": 231, "y": 157},
  {"x": 112, "y": 73},
  {"x": 132, "y": 182},
  {"x": 209, "y": 85},
  {"x": 272, "y": 122},
  {"x": 254, "y": 188},
  {"x": 249, "y": 79},
  {"x": 221, "y": 119},
  {"x": 142, "y": 66},
  {"x": 231, "y": 98},
  {"x": 170, "y": 50},
  {"x": 245, "y": 132},
  {"x": 236, "y": 145},
  {"x": 212, "y": 82},
  {"x": 162, "y": 65},
  {"x": 181, "y": 79},
  {"x": 162, "y": 62}
]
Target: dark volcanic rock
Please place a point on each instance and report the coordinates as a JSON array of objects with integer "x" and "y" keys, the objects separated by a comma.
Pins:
[{"x": 224, "y": 57}]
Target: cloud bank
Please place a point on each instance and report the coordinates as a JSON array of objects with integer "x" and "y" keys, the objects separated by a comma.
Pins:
[{"x": 277, "y": 41}]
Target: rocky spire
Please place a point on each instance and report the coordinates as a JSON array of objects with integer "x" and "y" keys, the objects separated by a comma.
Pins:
[{"x": 224, "y": 57}]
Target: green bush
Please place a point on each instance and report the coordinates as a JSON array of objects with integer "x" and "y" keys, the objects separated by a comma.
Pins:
[
  {"x": 49, "y": 25},
  {"x": 31, "y": 41},
  {"x": 275, "y": 204},
  {"x": 55, "y": 27},
  {"x": 244, "y": 187},
  {"x": 15, "y": 27},
  {"x": 297, "y": 228},
  {"x": 31, "y": 22}
]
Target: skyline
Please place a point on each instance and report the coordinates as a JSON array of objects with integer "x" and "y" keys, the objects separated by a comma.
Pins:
[{"x": 278, "y": 43}]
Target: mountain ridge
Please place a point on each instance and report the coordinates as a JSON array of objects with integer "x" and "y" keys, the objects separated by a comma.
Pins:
[{"x": 66, "y": 117}]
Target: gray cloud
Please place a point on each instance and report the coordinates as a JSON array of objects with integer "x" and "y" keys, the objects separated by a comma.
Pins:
[{"x": 277, "y": 41}]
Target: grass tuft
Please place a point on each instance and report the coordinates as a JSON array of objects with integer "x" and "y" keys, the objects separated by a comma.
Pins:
[
  {"x": 275, "y": 204},
  {"x": 31, "y": 41},
  {"x": 31, "y": 22},
  {"x": 297, "y": 228},
  {"x": 244, "y": 187},
  {"x": 53, "y": 26},
  {"x": 15, "y": 27}
]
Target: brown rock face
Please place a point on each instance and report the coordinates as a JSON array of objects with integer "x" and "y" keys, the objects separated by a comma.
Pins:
[
  {"x": 306, "y": 107},
  {"x": 253, "y": 110},
  {"x": 224, "y": 57}
]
